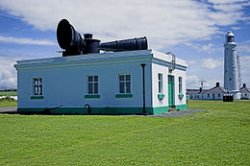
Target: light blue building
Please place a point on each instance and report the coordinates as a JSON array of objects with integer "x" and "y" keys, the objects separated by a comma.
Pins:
[{"x": 128, "y": 82}]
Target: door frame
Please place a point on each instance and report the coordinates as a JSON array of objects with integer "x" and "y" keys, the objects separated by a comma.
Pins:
[{"x": 171, "y": 91}]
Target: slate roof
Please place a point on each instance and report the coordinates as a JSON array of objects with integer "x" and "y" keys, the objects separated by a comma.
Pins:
[
  {"x": 195, "y": 91},
  {"x": 244, "y": 90},
  {"x": 216, "y": 89}
]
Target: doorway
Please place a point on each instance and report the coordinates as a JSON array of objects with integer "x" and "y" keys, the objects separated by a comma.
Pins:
[{"x": 171, "y": 91}]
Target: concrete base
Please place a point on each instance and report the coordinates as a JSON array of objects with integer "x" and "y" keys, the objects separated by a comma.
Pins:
[{"x": 237, "y": 96}]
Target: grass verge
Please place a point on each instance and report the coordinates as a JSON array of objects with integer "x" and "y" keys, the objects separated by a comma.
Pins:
[
  {"x": 218, "y": 136},
  {"x": 8, "y": 93},
  {"x": 8, "y": 102}
]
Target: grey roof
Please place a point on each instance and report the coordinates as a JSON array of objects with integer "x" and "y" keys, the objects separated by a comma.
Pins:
[
  {"x": 216, "y": 89},
  {"x": 195, "y": 91},
  {"x": 244, "y": 90}
]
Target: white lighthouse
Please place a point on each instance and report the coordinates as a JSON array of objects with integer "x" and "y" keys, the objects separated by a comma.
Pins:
[{"x": 231, "y": 66}]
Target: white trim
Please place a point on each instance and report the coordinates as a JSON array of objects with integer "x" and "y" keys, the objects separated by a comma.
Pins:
[{"x": 98, "y": 84}]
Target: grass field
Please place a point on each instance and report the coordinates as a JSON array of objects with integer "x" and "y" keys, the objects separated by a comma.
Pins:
[
  {"x": 8, "y": 103},
  {"x": 220, "y": 135},
  {"x": 8, "y": 93}
]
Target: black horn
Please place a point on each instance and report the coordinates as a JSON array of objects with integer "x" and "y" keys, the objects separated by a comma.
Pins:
[
  {"x": 69, "y": 39},
  {"x": 73, "y": 43},
  {"x": 125, "y": 45}
]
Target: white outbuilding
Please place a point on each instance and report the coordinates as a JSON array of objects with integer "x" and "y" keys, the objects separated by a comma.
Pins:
[
  {"x": 245, "y": 92},
  {"x": 128, "y": 82},
  {"x": 215, "y": 93}
]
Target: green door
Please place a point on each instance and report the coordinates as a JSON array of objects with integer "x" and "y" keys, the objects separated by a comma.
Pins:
[{"x": 171, "y": 91}]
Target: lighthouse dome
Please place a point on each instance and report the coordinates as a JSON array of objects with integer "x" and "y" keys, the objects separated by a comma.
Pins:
[
  {"x": 229, "y": 33},
  {"x": 230, "y": 37}
]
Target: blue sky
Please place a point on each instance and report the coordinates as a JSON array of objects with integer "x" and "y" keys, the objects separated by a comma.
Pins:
[{"x": 194, "y": 30}]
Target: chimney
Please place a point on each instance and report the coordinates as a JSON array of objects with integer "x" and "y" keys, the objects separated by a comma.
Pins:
[
  {"x": 217, "y": 84},
  {"x": 200, "y": 89},
  {"x": 244, "y": 85}
]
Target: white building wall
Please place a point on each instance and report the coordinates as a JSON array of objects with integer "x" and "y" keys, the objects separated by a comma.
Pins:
[
  {"x": 177, "y": 74},
  {"x": 245, "y": 96},
  {"x": 65, "y": 86},
  {"x": 212, "y": 96},
  {"x": 156, "y": 69}
]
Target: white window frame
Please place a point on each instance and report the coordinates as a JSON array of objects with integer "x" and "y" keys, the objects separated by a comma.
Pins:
[
  {"x": 37, "y": 86},
  {"x": 125, "y": 81},
  {"x": 92, "y": 83}
]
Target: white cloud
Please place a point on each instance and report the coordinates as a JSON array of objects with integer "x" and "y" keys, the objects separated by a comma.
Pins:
[
  {"x": 191, "y": 62},
  {"x": 10, "y": 39},
  {"x": 244, "y": 47},
  {"x": 165, "y": 23},
  {"x": 193, "y": 81},
  {"x": 210, "y": 63},
  {"x": 7, "y": 73},
  {"x": 236, "y": 28},
  {"x": 208, "y": 48}
]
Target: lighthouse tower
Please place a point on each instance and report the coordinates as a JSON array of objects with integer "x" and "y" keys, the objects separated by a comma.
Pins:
[{"x": 231, "y": 66}]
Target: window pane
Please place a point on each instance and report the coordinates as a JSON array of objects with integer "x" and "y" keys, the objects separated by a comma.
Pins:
[
  {"x": 128, "y": 87},
  {"x": 121, "y": 78},
  {"x": 36, "y": 90},
  {"x": 159, "y": 87},
  {"x": 40, "y": 82},
  {"x": 160, "y": 83},
  {"x": 159, "y": 77},
  {"x": 122, "y": 88},
  {"x": 90, "y": 88},
  {"x": 95, "y": 88},
  {"x": 96, "y": 78},
  {"x": 128, "y": 77},
  {"x": 35, "y": 82},
  {"x": 40, "y": 93},
  {"x": 40, "y": 90},
  {"x": 90, "y": 78},
  {"x": 180, "y": 84}
]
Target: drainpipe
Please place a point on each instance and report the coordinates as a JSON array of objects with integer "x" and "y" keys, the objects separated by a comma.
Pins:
[{"x": 143, "y": 88}]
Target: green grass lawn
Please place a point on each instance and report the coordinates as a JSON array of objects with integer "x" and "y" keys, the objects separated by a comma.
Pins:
[
  {"x": 8, "y": 103},
  {"x": 8, "y": 93},
  {"x": 218, "y": 136}
]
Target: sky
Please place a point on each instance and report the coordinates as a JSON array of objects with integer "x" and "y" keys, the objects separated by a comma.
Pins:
[{"x": 194, "y": 30}]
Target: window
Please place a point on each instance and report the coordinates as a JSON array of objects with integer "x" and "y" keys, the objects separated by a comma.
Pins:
[
  {"x": 208, "y": 95},
  {"x": 160, "y": 83},
  {"x": 230, "y": 39},
  {"x": 219, "y": 95},
  {"x": 125, "y": 84},
  {"x": 180, "y": 85},
  {"x": 92, "y": 84},
  {"x": 38, "y": 88}
]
